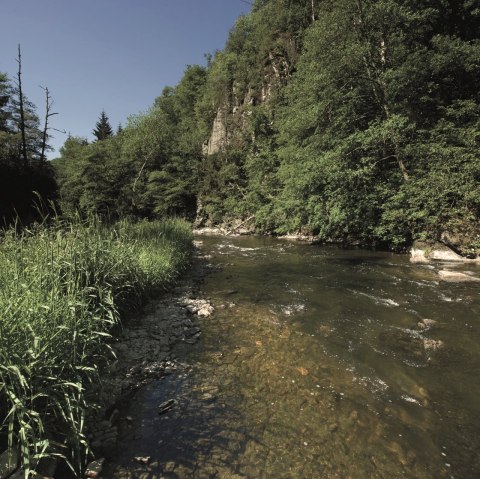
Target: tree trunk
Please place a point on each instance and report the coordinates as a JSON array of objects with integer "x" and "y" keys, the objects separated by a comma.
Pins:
[
  {"x": 45, "y": 127},
  {"x": 22, "y": 111},
  {"x": 48, "y": 114}
]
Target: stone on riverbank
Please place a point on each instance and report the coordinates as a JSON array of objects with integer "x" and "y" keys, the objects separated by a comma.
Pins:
[
  {"x": 94, "y": 469},
  {"x": 422, "y": 252},
  {"x": 144, "y": 353}
]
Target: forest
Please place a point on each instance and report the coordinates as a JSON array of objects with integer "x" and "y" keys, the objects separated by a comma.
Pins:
[
  {"x": 351, "y": 121},
  {"x": 356, "y": 122}
]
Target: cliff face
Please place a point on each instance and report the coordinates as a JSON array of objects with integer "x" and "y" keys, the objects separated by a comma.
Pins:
[
  {"x": 232, "y": 116},
  {"x": 218, "y": 137},
  {"x": 258, "y": 61},
  {"x": 244, "y": 85}
]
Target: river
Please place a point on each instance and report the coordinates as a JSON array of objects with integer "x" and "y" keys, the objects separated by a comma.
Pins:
[{"x": 319, "y": 362}]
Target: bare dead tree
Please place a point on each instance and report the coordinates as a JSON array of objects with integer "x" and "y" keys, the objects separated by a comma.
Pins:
[
  {"x": 313, "y": 10},
  {"x": 48, "y": 115},
  {"x": 21, "y": 106}
]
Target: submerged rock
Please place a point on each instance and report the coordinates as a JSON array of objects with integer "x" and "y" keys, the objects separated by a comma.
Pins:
[
  {"x": 404, "y": 341},
  {"x": 457, "y": 276},
  {"x": 432, "y": 344},
  {"x": 426, "y": 324},
  {"x": 166, "y": 406}
]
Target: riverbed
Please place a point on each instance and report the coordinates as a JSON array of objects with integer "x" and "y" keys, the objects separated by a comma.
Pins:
[{"x": 318, "y": 362}]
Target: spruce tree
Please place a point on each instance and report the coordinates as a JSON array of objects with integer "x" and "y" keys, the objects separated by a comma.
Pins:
[{"x": 103, "y": 128}]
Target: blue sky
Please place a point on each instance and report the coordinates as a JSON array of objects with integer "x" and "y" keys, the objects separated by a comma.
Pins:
[{"x": 115, "y": 55}]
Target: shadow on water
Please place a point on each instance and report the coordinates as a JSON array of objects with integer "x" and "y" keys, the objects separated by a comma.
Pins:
[
  {"x": 201, "y": 434},
  {"x": 314, "y": 365}
]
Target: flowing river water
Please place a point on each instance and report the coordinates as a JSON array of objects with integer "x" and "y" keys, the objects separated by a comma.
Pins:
[{"x": 317, "y": 363}]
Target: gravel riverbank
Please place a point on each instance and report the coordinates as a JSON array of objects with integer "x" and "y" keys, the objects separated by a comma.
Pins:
[{"x": 144, "y": 352}]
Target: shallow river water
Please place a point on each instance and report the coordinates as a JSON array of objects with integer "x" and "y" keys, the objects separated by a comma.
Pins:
[{"x": 314, "y": 365}]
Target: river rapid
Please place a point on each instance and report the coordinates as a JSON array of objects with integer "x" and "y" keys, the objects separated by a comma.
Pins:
[{"x": 317, "y": 363}]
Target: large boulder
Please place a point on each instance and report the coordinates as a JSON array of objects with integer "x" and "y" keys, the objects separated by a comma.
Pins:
[{"x": 422, "y": 252}]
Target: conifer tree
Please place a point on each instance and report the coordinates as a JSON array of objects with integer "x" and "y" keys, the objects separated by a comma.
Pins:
[{"x": 103, "y": 128}]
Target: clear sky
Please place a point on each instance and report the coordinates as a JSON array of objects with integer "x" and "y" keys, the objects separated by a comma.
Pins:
[{"x": 115, "y": 55}]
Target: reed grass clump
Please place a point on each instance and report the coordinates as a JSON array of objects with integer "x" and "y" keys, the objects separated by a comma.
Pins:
[{"x": 62, "y": 289}]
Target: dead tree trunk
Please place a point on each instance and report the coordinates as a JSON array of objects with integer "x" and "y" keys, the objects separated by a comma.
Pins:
[
  {"x": 48, "y": 114},
  {"x": 22, "y": 110}
]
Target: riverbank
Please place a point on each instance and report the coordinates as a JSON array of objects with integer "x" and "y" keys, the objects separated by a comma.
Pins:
[
  {"x": 145, "y": 352},
  {"x": 224, "y": 230},
  {"x": 63, "y": 290}
]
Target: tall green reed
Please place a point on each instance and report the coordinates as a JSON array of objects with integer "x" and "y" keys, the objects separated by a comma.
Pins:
[{"x": 62, "y": 289}]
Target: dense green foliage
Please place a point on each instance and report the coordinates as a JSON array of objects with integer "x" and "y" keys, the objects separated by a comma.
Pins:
[
  {"x": 379, "y": 134},
  {"x": 351, "y": 120},
  {"x": 357, "y": 121},
  {"x": 62, "y": 289},
  {"x": 148, "y": 169}
]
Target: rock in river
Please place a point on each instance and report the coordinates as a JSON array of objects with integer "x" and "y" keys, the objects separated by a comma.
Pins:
[
  {"x": 165, "y": 406},
  {"x": 94, "y": 469},
  {"x": 425, "y": 324},
  {"x": 457, "y": 276}
]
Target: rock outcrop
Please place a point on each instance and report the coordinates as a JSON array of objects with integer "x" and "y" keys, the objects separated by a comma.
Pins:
[
  {"x": 422, "y": 252},
  {"x": 218, "y": 137}
]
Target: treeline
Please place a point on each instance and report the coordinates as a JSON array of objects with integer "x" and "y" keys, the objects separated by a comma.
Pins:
[
  {"x": 27, "y": 181},
  {"x": 352, "y": 120},
  {"x": 147, "y": 169}
]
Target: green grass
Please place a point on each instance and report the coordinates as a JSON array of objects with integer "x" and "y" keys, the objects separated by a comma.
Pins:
[{"x": 62, "y": 289}]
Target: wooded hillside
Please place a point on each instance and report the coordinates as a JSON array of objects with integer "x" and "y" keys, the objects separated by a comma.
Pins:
[{"x": 351, "y": 120}]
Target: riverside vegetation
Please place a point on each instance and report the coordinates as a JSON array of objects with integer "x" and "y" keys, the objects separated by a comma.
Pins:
[
  {"x": 62, "y": 289},
  {"x": 347, "y": 120},
  {"x": 352, "y": 121}
]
